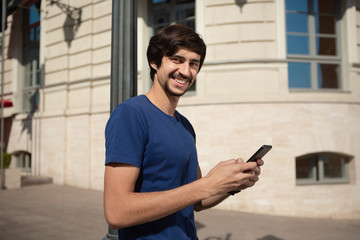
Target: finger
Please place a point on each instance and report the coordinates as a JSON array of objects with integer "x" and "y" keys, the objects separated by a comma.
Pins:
[
  {"x": 254, "y": 178},
  {"x": 257, "y": 170},
  {"x": 260, "y": 162},
  {"x": 247, "y": 185},
  {"x": 231, "y": 161},
  {"x": 249, "y": 166},
  {"x": 239, "y": 160}
]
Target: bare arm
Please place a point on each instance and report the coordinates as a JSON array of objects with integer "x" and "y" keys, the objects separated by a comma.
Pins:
[{"x": 123, "y": 207}]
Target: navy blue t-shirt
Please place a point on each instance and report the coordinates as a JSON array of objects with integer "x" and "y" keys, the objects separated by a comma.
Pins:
[{"x": 163, "y": 147}]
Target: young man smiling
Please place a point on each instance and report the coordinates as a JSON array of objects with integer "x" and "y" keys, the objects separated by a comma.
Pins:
[{"x": 153, "y": 181}]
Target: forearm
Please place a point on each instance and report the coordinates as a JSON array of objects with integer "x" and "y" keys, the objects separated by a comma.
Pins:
[
  {"x": 210, "y": 202},
  {"x": 124, "y": 210}
]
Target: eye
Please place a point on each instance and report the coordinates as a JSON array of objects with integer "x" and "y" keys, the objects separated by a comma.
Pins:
[
  {"x": 175, "y": 59},
  {"x": 195, "y": 64}
]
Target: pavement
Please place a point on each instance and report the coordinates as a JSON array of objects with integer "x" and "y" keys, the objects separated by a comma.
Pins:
[{"x": 55, "y": 212}]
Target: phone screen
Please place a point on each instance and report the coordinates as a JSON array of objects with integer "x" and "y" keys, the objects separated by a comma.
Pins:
[{"x": 264, "y": 149}]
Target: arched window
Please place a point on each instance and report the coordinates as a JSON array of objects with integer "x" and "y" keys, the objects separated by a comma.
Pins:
[
  {"x": 23, "y": 160},
  {"x": 322, "y": 168}
]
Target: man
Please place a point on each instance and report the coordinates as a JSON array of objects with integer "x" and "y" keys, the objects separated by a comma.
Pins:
[{"x": 153, "y": 182}]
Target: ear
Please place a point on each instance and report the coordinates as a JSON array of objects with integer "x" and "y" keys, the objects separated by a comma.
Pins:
[{"x": 154, "y": 66}]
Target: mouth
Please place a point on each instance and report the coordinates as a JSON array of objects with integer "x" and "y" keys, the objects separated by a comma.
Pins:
[{"x": 181, "y": 80}]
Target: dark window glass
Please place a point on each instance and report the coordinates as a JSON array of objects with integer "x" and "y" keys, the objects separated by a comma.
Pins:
[
  {"x": 297, "y": 5},
  {"x": 34, "y": 14},
  {"x": 296, "y": 22},
  {"x": 169, "y": 12},
  {"x": 299, "y": 75},
  {"x": 161, "y": 19},
  {"x": 298, "y": 45},
  {"x": 325, "y": 24},
  {"x": 305, "y": 168},
  {"x": 324, "y": 6},
  {"x": 186, "y": 16},
  {"x": 159, "y": 1},
  {"x": 326, "y": 46},
  {"x": 333, "y": 167},
  {"x": 328, "y": 75}
]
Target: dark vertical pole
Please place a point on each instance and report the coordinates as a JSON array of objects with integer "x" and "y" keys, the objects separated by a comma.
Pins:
[
  {"x": 123, "y": 51},
  {"x": 2, "y": 94},
  {"x": 123, "y": 60}
]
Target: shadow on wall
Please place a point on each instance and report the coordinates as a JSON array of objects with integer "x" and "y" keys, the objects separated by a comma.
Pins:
[
  {"x": 72, "y": 21},
  {"x": 240, "y": 2},
  {"x": 70, "y": 28},
  {"x": 7, "y": 129}
]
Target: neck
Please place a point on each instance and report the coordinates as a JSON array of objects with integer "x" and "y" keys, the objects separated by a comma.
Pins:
[{"x": 163, "y": 101}]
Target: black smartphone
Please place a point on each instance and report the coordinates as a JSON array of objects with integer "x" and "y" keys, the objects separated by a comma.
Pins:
[{"x": 260, "y": 153}]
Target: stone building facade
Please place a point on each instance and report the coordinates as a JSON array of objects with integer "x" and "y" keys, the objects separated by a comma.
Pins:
[{"x": 278, "y": 72}]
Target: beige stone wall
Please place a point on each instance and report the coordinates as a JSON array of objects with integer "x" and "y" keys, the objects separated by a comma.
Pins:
[
  {"x": 228, "y": 131},
  {"x": 237, "y": 30}
]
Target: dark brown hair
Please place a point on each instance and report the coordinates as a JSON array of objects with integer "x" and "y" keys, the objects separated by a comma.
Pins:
[{"x": 170, "y": 39}]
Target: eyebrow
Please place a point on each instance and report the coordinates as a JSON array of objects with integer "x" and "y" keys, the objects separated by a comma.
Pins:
[{"x": 192, "y": 60}]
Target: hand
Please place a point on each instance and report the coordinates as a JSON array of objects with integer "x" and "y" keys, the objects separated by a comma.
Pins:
[
  {"x": 231, "y": 174},
  {"x": 256, "y": 172}
]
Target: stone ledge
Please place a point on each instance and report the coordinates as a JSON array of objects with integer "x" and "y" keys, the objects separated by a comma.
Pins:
[{"x": 33, "y": 180}]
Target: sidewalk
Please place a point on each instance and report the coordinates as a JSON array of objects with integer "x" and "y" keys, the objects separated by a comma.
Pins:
[{"x": 61, "y": 212}]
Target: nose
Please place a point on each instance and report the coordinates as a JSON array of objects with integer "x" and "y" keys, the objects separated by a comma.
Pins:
[{"x": 184, "y": 69}]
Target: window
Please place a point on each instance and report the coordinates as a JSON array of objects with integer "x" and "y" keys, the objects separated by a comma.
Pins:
[
  {"x": 319, "y": 168},
  {"x": 166, "y": 12},
  {"x": 23, "y": 161},
  {"x": 30, "y": 57},
  {"x": 313, "y": 52}
]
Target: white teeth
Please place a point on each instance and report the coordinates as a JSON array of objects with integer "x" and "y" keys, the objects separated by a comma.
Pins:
[{"x": 180, "y": 81}]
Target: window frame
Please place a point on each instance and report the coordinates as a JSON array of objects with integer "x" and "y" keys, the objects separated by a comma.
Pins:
[
  {"x": 23, "y": 161},
  {"x": 312, "y": 57},
  {"x": 318, "y": 175},
  {"x": 31, "y": 79}
]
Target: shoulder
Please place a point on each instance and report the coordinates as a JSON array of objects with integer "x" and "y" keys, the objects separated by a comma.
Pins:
[
  {"x": 131, "y": 106},
  {"x": 130, "y": 112},
  {"x": 134, "y": 102}
]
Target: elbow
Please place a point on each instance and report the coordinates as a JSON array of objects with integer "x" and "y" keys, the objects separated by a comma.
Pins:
[
  {"x": 115, "y": 218},
  {"x": 198, "y": 207},
  {"x": 115, "y": 222}
]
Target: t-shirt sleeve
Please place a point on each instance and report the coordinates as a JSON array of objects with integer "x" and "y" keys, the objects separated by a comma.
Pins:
[{"x": 125, "y": 136}]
